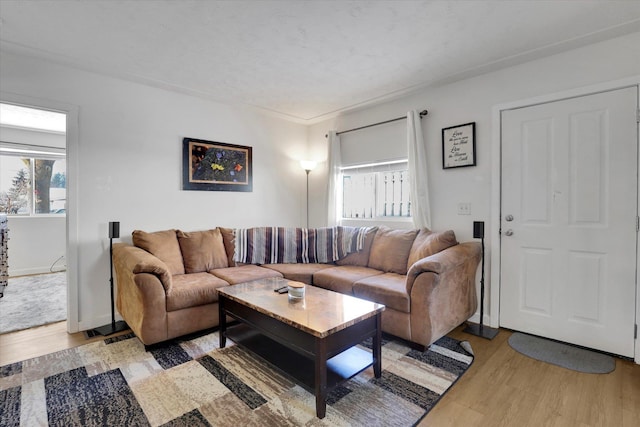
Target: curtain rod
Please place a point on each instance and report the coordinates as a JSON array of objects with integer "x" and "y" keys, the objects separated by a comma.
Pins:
[{"x": 422, "y": 114}]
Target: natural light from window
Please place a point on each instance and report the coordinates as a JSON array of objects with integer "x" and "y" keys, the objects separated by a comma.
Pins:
[
  {"x": 376, "y": 191},
  {"x": 31, "y": 118},
  {"x": 32, "y": 161}
]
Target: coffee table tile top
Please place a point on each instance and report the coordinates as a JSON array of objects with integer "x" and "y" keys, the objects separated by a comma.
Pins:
[{"x": 320, "y": 313}]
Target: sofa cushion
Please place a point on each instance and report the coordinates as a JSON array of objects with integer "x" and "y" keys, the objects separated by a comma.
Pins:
[
  {"x": 191, "y": 290},
  {"x": 164, "y": 245},
  {"x": 244, "y": 273},
  {"x": 202, "y": 250},
  {"x": 388, "y": 289},
  {"x": 390, "y": 250},
  {"x": 341, "y": 279},
  {"x": 428, "y": 243},
  {"x": 361, "y": 257},
  {"x": 228, "y": 237},
  {"x": 298, "y": 272}
]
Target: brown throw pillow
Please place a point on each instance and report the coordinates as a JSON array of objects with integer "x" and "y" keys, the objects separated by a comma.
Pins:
[
  {"x": 390, "y": 250},
  {"x": 360, "y": 258},
  {"x": 428, "y": 243},
  {"x": 202, "y": 250},
  {"x": 229, "y": 239},
  {"x": 162, "y": 244}
]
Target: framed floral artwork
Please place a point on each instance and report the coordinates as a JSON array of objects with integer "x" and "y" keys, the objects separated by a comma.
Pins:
[{"x": 216, "y": 166}]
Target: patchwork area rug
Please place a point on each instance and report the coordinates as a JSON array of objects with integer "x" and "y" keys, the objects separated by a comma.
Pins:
[
  {"x": 193, "y": 382},
  {"x": 30, "y": 301}
]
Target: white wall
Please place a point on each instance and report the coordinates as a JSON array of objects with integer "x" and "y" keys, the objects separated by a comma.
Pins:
[
  {"x": 46, "y": 233},
  {"x": 472, "y": 100},
  {"x": 129, "y": 162}
]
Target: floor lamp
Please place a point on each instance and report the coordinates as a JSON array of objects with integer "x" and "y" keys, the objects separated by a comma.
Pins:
[
  {"x": 481, "y": 330},
  {"x": 113, "y": 327},
  {"x": 308, "y": 166}
]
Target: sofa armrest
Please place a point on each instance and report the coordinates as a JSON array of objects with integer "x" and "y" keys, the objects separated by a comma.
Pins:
[
  {"x": 444, "y": 261},
  {"x": 136, "y": 260},
  {"x": 442, "y": 290},
  {"x": 142, "y": 283}
]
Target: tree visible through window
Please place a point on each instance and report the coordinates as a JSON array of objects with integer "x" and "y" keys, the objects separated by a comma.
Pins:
[
  {"x": 31, "y": 185},
  {"x": 17, "y": 196}
]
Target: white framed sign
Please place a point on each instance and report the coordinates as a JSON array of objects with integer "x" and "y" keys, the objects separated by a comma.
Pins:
[{"x": 459, "y": 146}]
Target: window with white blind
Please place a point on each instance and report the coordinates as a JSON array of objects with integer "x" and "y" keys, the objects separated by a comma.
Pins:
[{"x": 376, "y": 191}]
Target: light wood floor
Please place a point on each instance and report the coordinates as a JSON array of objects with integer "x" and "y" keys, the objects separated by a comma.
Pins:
[
  {"x": 34, "y": 342},
  {"x": 501, "y": 388},
  {"x": 504, "y": 388}
]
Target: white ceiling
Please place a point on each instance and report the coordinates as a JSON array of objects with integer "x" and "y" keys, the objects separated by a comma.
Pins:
[{"x": 304, "y": 60}]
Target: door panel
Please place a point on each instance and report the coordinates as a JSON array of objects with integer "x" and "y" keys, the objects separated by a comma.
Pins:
[
  {"x": 536, "y": 151},
  {"x": 568, "y": 256},
  {"x": 536, "y": 281},
  {"x": 587, "y": 272},
  {"x": 588, "y": 168}
]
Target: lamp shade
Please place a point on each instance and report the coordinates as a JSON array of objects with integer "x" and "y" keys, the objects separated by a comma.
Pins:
[{"x": 308, "y": 165}]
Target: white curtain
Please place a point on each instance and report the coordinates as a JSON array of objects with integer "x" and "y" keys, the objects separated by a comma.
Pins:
[
  {"x": 334, "y": 187},
  {"x": 419, "y": 184}
]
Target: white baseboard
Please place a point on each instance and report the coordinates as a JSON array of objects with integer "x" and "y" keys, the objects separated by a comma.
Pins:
[{"x": 29, "y": 271}]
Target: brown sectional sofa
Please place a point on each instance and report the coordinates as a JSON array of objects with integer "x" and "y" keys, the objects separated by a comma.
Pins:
[{"x": 167, "y": 281}]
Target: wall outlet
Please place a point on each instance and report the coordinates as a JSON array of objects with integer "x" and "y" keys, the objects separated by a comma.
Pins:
[{"x": 464, "y": 208}]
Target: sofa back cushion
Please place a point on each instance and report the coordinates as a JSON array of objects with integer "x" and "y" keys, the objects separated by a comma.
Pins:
[
  {"x": 360, "y": 258},
  {"x": 228, "y": 238},
  {"x": 390, "y": 250},
  {"x": 428, "y": 243},
  {"x": 202, "y": 250},
  {"x": 164, "y": 245}
]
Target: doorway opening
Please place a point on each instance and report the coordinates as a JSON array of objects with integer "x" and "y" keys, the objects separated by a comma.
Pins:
[{"x": 33, "y": 205}]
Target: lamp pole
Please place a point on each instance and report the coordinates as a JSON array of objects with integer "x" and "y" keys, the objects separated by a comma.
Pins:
[
  {"x": 308, "y": 166},
  {"x": 307, "y": 171}
]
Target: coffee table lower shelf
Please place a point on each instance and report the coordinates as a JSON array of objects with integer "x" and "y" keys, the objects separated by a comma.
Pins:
[{"x": 296, "y": 366}]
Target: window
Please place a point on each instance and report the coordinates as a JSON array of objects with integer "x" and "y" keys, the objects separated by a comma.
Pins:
[
  {"x": 33, "y": 168},
  {"x": 377, "y": 190},
  {"x": 32, "y": 182}
]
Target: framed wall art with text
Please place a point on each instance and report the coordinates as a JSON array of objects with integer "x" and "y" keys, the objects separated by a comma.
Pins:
[{"x": 459, "y": 146}]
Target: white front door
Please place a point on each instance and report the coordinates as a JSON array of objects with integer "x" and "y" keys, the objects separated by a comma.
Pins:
[{"x": 568, "y": 220}]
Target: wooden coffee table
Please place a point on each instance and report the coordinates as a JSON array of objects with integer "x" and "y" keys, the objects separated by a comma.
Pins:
[{"x": 313, "y": 340}]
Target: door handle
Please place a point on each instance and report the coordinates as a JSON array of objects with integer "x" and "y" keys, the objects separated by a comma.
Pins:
[
  {"x": 508, "y": 218},
  {"x": 508, "y": 232}
]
